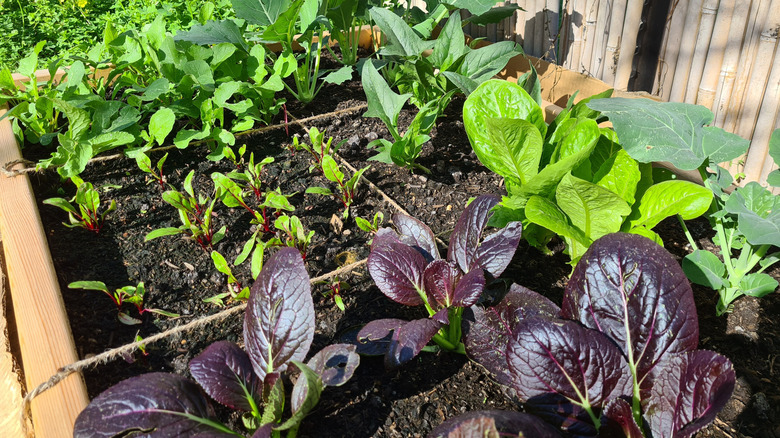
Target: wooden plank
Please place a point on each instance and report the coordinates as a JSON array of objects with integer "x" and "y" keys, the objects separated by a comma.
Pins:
[
  {"x": 10, "y": 381},
  {"x": 45, "y": 339}
]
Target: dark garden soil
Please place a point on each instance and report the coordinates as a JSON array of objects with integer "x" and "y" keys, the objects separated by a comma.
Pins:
[{"x": 407, "y": 402}]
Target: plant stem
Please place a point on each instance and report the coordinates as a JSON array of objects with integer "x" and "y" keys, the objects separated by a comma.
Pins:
[{"x": 688, "y": 235}]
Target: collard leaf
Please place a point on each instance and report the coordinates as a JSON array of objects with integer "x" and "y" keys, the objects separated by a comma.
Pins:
[
  {"x": 494, "y": 424},
  {"x": 489, "y": 329},
  {"x": 339, "y": 76},
  {"x": 417, "y": 234},
  {"x": 260, "y": 12},
  {"x": 397, "y": 268},
  {"x": 224, "y": 371},
  {"x": 689, "y": 391},
  {"x": 669, "y": 198},
  {"x": 497, "y": 99},
  {"x": 216, "y": 32},
  {"x": 758, "y": 284},
  {"x": 759, "y": 213},
  {"x": 669, "y": 131},
  {"x": 774, "y": 146},
  {"x": 704, "y": 268},
  {"x": 564, "y": 358},
  {"x": 633, "y": 291},
  {"x": 138, "y": 404},
  {"x": 476, "y": 7},
  {"x": 279, "y": 321},
  {"x": 335, "y": 363}
]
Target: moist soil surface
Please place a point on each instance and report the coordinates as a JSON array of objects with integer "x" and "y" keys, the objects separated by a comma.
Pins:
[{"x": 405, "y": 402}]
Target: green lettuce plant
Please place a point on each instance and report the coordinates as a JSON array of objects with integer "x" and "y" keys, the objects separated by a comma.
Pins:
[
  {"x": 746, "y": 220},
  {"x": 570, "y": 178}
]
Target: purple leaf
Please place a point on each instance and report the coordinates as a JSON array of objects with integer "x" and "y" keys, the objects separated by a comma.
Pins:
[
  {"x": 493, "y": 424},
  {"x": 305, "y": 395},
  {"x": 409, "y": 339},
  {"x": 633, "y": 291},
  {"x": 335, "y": 363},
  {"x": 416, "y": 233},
  {"x": 442, "y": 316},
  {"x": 397, "y": 269},
  {"x": 137, "y": 404},
  {"x": 264, "y": 431},
  {"x": 559, "y": 411},
  {"x": 224, "y": 371},
  {"x": 563, "y": 357},
  {"x": 279, "y": 321},
  {"x": 689, "y": 391},
  {"x": 465, "y": 237},
  {"x": 496, "y": 251},
  {"x": 439, "y": 278},
  {"x": 617, "y": 421},
  {"x": 469, "y": 289},
  {"x": 379, "y": 329},
  {"x": 487, "y": 334}
]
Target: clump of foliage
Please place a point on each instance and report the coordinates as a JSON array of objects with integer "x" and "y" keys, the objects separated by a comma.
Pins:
[
  {"x": 127, "y": 294},
  {"x": 628, "y": 310},
  {"x": 570, "y": 178},
  {"x": 87, "y": 199},
  {"x": 745, "y": 221},
  {"x": 407, "y": 268},
  {"x": 278, "y": 331}
]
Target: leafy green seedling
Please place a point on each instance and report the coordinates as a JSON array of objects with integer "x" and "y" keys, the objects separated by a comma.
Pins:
[
  {"x": 373, "y": 226},
  {"x": 295, "y": 235},
  {"x": 335, "y": 287},
  {"x": 347, "y": 187},
  {"x": 156, "y": 172},
  {"x": 87, "y": 199},
  {"x": 232, "y": 195},
  {"x": 235, "y": 291},
  {"x": 248, "y": 175},
  {"x": 319, "y": 148},
  {"x": 195, "y": 215},
  {"x": 127, "y": 294}
]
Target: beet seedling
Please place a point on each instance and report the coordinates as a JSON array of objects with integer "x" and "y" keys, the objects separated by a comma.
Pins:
[
  {"x": 195, "y": 214},
  {"x": 235, "y": 291},
  {"x": 88, "y": 201},
  {"x": 127, "y": 294},
  {"x": 295, "y": 234}
]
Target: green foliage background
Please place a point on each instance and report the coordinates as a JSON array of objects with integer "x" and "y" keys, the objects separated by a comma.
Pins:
[{"x": 69, "y": 29}]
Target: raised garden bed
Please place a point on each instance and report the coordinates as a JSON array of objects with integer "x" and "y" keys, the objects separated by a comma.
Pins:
[{"x": 406, "y": 402}]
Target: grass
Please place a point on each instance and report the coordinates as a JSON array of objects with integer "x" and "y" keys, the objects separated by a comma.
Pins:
[{"x": 72, "y": 26}]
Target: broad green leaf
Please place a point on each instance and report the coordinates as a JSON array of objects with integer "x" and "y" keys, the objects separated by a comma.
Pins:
[
  {"x": 339, "y": 76},
  {"x": 498, "y": 99},
  {"x": 584, "y": 135},
  {"x": 669, "y": 131},
  {"x": 591, "y": 208},
  {"x": 161, "y": 123},
  {"x": 225, "y": 91},
  {"x": 494, "y": 15},
  {"x": 89, "y": 285},
  {"x": 160, "y": 232},
  {"x": 331, "y": 169},
  {"x": 545, "y": 213},
  {"x": 476, "y": 7},
  {"x": 221, "y": 264},
  {"x": 516, "y": 149},
  {"x": 401, "y": 39},
  {"x": 758, "y": 285},
  {"x": 759, "y": 213},
  {"x": 156, "y": 89},
  {"x": 773, "y": 179},
  {"x": 769, "y": 260},
  {"x": 319, "y": 191},
  {"x": 669, "y": 198},
  {"x": 155, "y": 32},
  {"x": 76, "y": 161},
  {"x": 382, "y": 101},
  {"x": 221, "y": 52},
  {"x": 29, "y": 64},
  {"x": 341, "y": 14},
  {"x": 201, "y": 72},
  {"x": 466, "y": 85},
  {"x": 282, "y": 28},
  {"x": 450, "y": 45},
  {"x": 619, "y": 174},
  {"x": 185, "y": 136},
  {"x": 227, "y": 190},
  {"x": 61, "y": 203},
  {"x": 548, "y": 177},
  {"x": 75, "y": 74},
  {"x": 215, "y": 32},
  {"x": 78, "y": 119},
  {"x": 7, "y": 80},
  {"x": 704, "y": 268},
  {"x": 484, "y": 63},
  {"x": 260, "y": 12},
  {"x": 774, "y": 146}
]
